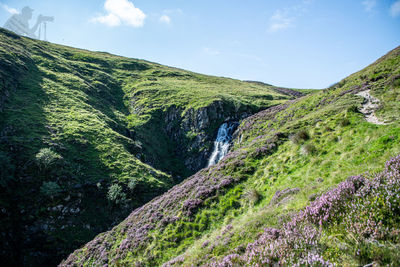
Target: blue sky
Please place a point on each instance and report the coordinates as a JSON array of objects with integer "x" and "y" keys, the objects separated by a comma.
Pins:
[{"x": 291, "y": 43}]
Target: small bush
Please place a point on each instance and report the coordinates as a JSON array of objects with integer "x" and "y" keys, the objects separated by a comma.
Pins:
[
  {"x": 46, "y": 158},
  {"x": 309, "y": 149},
  {"x": 132, "y": 184},
  {"x": 252, "y": 196},
  {"x": 115, "y": 194},
  {"x": 352, "y": 109},
  {"x": 300, "y": 136},
  {"x": 50, "y": 189}
]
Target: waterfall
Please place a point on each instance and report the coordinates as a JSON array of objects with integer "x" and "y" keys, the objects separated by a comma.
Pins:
[{"x": 223, "y": 142}]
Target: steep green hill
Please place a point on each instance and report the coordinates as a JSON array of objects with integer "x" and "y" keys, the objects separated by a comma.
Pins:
[
  {"x": 279, "y": 196},
  {"x": 86, "y": 137}
]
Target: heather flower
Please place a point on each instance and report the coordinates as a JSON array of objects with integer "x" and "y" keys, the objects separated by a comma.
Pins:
[{"x": 363, "y": 205}]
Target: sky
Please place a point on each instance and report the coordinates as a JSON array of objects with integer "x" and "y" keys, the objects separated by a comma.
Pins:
[{"x": 289, "y": 43}]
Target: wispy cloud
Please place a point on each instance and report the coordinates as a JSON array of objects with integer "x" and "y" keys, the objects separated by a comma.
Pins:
[
  {"x": 280, "y": 20},
  {"x": 395, "y": 9},
  {"x": 167, "y": 15},
  {"x": 285, "y": 18},
  {"x": 9, "y": 9},
  {"x": 121, "y": 12},
  {"x": 165, "y": 19},
  {"x": 369, "y": 5}
]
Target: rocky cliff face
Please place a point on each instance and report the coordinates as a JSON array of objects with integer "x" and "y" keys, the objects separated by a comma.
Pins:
[{"x": 193, "y": 131}]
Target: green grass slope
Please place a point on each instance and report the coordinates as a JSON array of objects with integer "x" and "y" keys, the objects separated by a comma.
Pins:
[
  {"x": 85, "y": 137},
  {"x": 283, "y": 159}
]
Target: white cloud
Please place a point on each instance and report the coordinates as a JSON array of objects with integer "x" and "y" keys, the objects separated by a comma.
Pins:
[
  {"x": 369, "y": 5},
  {"x": 165, "y": 19},
  {"x": 395, "y": 9},
  {"x": 279, "y": 21},
  {"x": 110, "y": 20},
  {"x": 285, "y": 18},
  {"x": 121, "y": 12},
  {"x": 9, "y": 9}
]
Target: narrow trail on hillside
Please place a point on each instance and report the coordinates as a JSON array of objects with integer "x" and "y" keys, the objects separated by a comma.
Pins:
[{"x": 369, "y": 106}]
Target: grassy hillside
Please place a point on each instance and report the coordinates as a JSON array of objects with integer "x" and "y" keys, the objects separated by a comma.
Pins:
[
  {"x": 285, "y": 158},
  {"x": 86, "y": 137}
]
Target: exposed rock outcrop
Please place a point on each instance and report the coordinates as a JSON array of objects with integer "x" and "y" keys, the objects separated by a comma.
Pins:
[
  {"x": 369, "y": 106},
  {"x": 194, "y": 130}
]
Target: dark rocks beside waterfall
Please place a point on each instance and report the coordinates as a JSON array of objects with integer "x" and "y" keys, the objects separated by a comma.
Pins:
[{"x": 195, "y": 130}]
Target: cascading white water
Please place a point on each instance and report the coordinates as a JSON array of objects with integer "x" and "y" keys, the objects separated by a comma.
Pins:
[{"x": 222, "y": 143}]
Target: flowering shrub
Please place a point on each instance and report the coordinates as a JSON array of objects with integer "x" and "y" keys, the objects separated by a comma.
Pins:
[
  {"x": 173, "y": 211},
  {"x": 190, "y": 206},
  {"x": 366, "y": 207},
  {"x": 376, "y": 207}
]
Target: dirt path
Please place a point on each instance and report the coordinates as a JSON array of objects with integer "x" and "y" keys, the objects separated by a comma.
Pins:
[{"x": 369, "y": 106}]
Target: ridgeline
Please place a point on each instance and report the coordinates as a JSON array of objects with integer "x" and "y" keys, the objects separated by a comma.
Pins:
[{"x": 112, "y": 152}]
